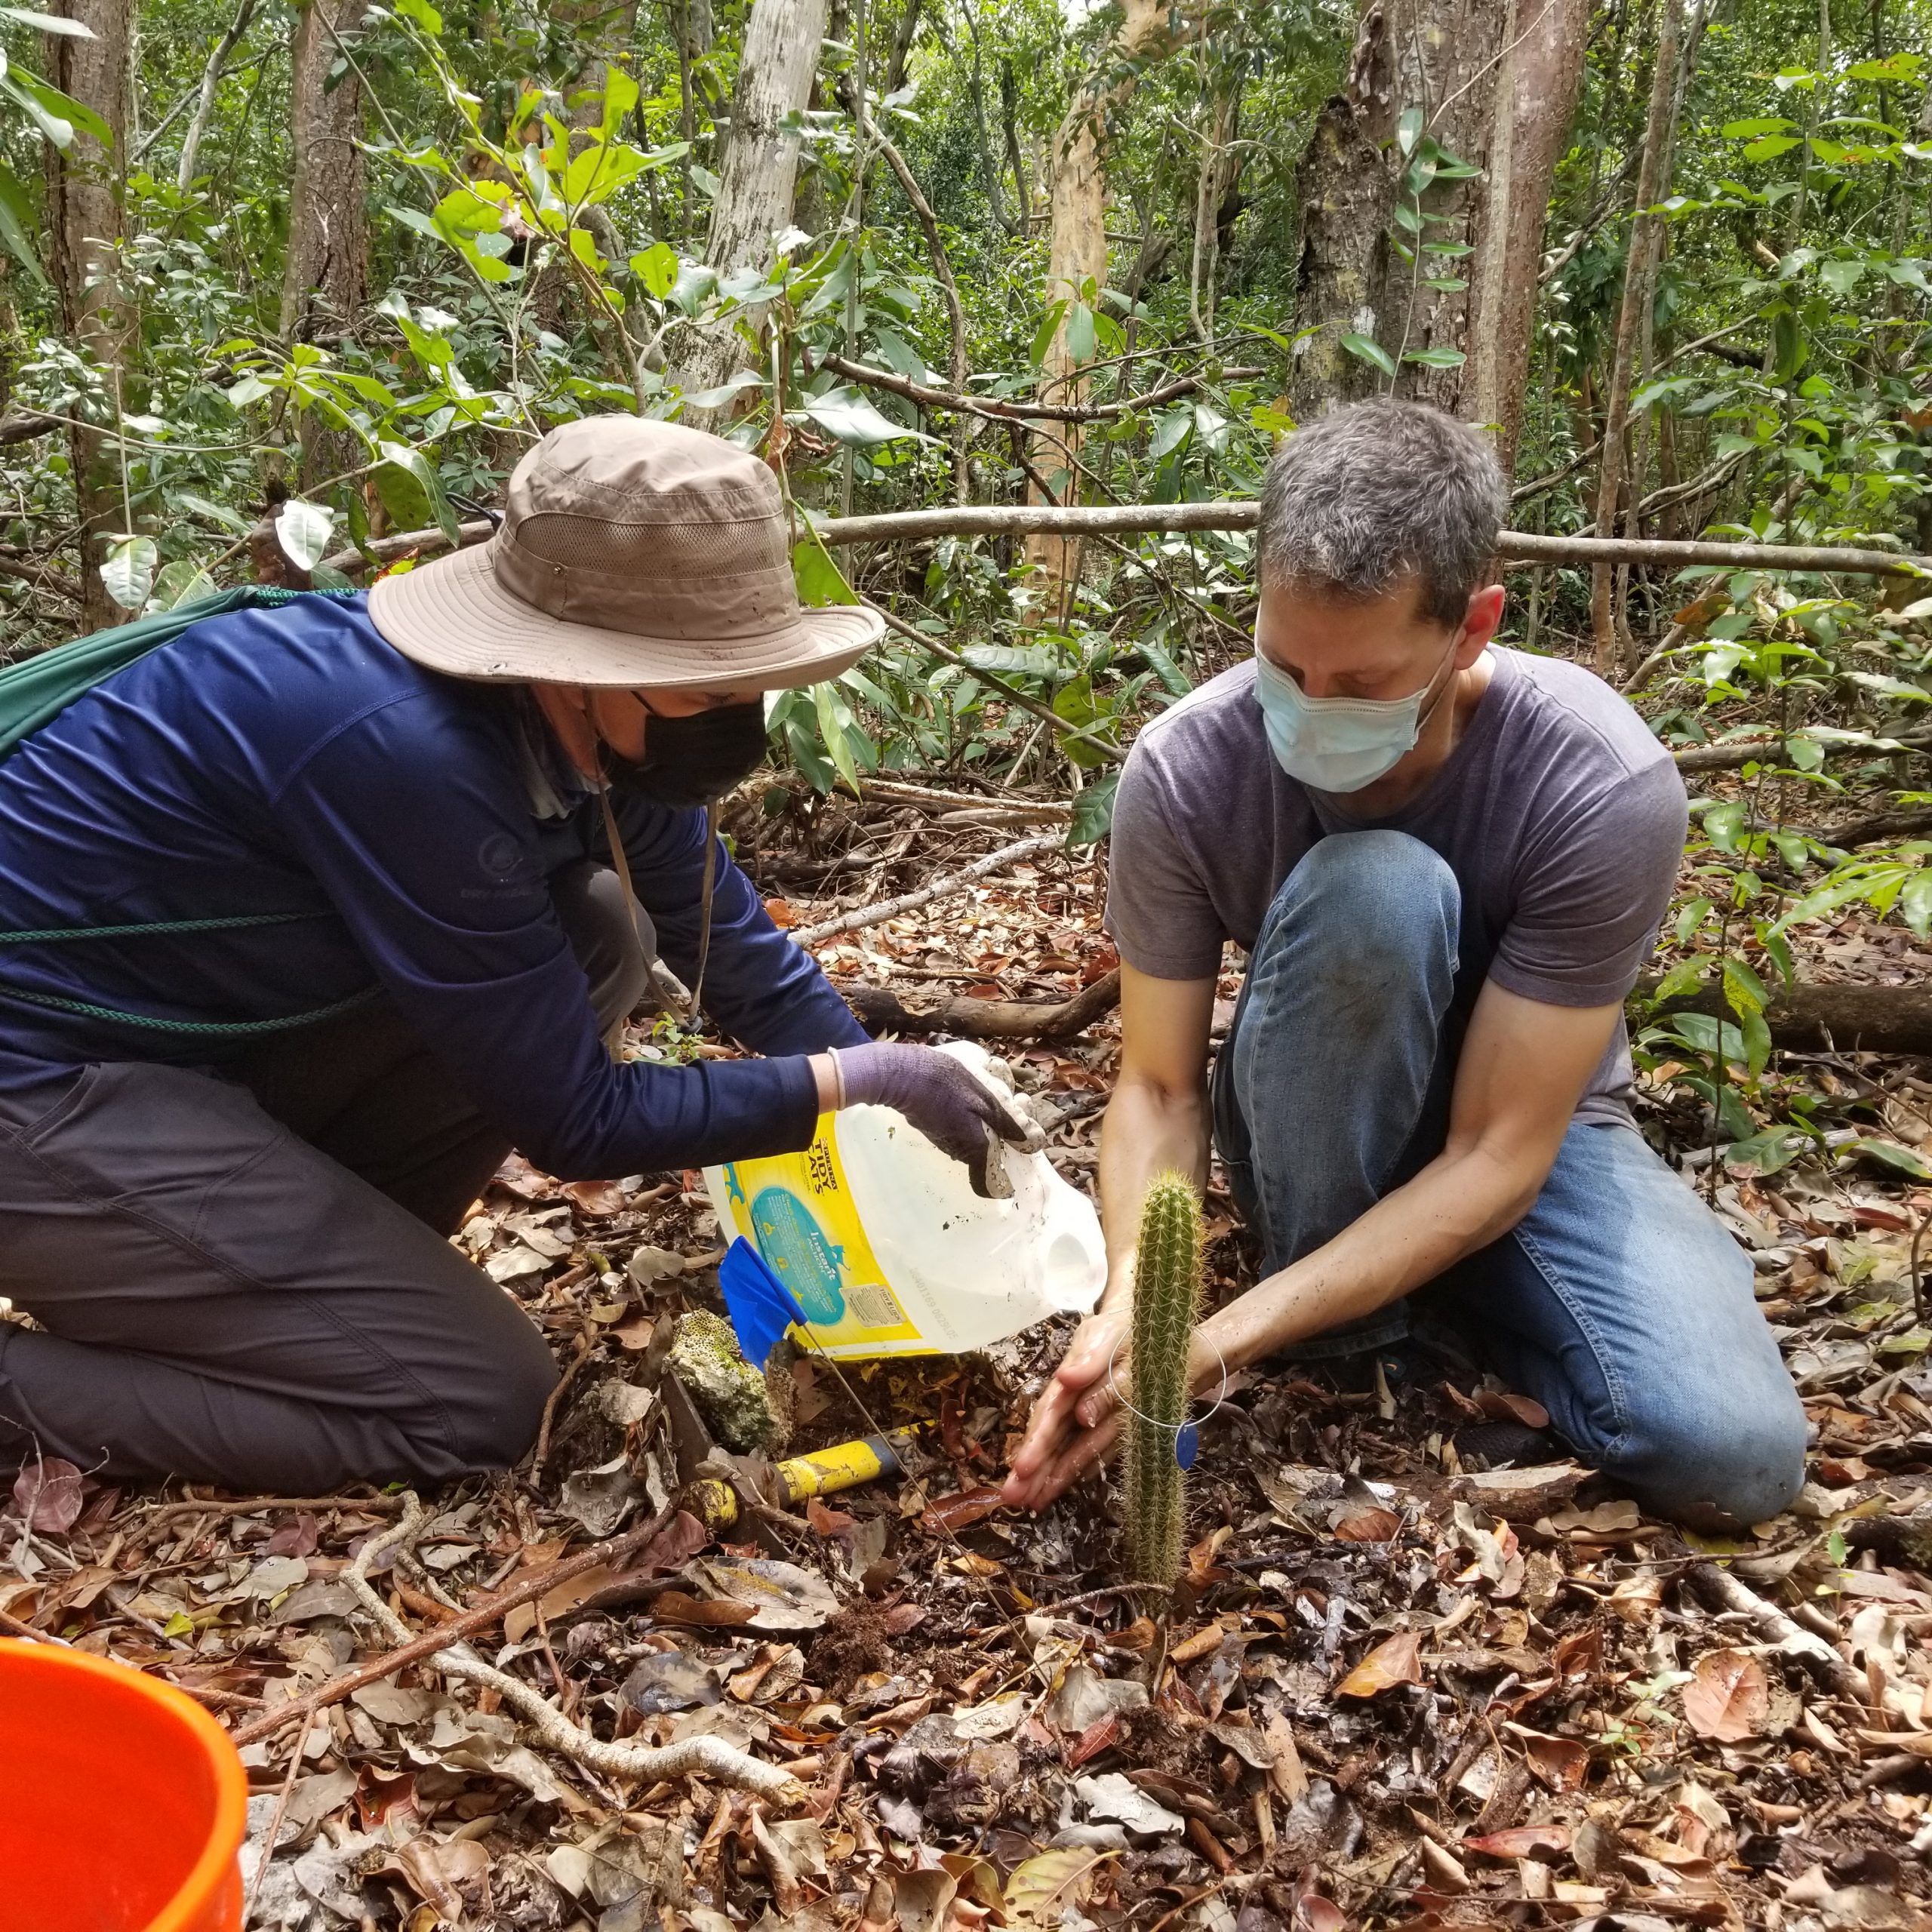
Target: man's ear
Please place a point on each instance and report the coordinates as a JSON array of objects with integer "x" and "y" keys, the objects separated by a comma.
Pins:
[{"x": 1482, "y": 616}]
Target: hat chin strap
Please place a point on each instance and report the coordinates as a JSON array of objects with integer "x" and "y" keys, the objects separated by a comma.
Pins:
[{"x": 620, "y": 864}]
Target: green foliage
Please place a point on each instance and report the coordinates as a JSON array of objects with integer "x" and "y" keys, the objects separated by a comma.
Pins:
[{"x": 1167, "y": 1304}]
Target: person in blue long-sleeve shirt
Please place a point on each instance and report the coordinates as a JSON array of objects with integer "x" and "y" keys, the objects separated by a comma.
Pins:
[{"x": 230, "y": 1154}]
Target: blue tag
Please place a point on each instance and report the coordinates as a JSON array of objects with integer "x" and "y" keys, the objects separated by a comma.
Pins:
[
  {"x": 762, "y": 1307},
  {"x": 1187, "y": 1444}
]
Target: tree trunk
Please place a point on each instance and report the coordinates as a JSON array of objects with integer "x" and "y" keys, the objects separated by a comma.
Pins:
[
  {"x": 1496, "y": 85},
  {"x": 754, "y": 198},
  {"x": 325, "y": 279},
  {"x": 85, "y": 186},
  {"x": 1076, "y": 193},
  {"x": 1639, "y": 281}
]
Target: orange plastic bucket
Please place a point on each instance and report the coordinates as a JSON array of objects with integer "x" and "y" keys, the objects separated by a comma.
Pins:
[{"x": 122, "y": 1803}]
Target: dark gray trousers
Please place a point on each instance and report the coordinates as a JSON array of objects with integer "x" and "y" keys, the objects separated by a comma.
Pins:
[{"x": 246, "y": 1279}]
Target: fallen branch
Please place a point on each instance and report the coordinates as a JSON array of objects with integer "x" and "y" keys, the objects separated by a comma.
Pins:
[
  {"x": 708, "y": 1756},
  {"x": 997, "y": 409},
  {"x": 1515, "y": 546},
  {"x": 1734, "y": 752},
  {"x": 932, "y": 799},
  {"x": 1723, "y": 1592},
  {"x": 1880, "y": 827},
  {"x": 471, "y": 1623},
  {"x": 1881, "y": 1020},
  {"x": 1512, "y": 546},
  {"x": 879, "y": 1010},
  {"x": 387, "y": 549},
  {"x": 940, "y": 888}
]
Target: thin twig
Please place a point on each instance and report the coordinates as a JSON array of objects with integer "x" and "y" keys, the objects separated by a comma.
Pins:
[
  {"x": 708, "y": 1756},
  {"x": 491, "y": 1611},
  {"x": 550, "y": 1407},
  {"x": 274, "y": 1822}
]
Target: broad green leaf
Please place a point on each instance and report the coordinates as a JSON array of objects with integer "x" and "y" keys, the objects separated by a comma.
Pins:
[
  {"x": 656, "y": 268},
  {"x": 1743, "y": 991},
  {"x": 181, "y": 582},
  {"x": 1894, "y": 67},
  {"x": 1170, "y": 431},
  {"x": 302, "y": 530},
  {"x": 425, "y": 16},
  {"x": 1745, "y": 130},
  {"x": 214, "y": 513},
  {"x": 128, "y": 572},
  {"x": 834, "y": 719},
  {"x": 732, "y": 386},
  {"x": 820, "y": 582},
  {"x": 1770, "y": 146},
  {"x": 1765, "y": 1153},
  {"x": 847, "y": 415},
  {"x": 47, "y": 105},
  {"x": 1408, "y": 130},
  {"x": 1173, "y": 679},
  {"x": 1436, "y": 359},
  {"x": 1075, "y": 702},
  {"x": 1724, "y": 824},
  {"x": 1080, "y": 339},
  {"x": 412, "y": 492},
  {"x": 1890, "y": 1154},
  {"x": 1915, "y": 902},
  {"x": 1367, "y": 349},
  {"x": 49, "y": 22},
  {"x": 1093, "y": 812},
  {"x": 1691, "y": 917},
  {"x": 1685, "y": 977},
  {"x": 17, "y": 223}
]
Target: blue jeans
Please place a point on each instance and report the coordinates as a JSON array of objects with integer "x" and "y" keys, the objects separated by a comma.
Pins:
[{"x": 1618, "y": 1302}]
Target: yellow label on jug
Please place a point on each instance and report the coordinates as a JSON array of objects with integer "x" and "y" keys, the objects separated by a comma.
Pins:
[{"x": 797, "y": 1210}]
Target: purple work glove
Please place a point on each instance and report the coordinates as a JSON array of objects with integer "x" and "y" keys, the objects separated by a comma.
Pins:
[{"x": 961, "y": 1115}]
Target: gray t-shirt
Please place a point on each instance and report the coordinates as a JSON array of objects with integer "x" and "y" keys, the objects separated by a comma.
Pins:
[{"x": 1561, "y": 816}]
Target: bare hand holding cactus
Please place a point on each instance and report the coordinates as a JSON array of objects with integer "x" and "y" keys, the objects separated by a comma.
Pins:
[{"x": 1081, "y": 1412}]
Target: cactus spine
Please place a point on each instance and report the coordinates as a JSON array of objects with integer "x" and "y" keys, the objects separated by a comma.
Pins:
[{"x": 1166, "y": 1301}]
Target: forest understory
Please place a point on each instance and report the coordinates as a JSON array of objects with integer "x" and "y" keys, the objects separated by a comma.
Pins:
[{"x": 1394, "y": 1688}]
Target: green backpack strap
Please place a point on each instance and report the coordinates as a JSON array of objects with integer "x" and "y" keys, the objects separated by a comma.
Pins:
[{"x": 41, "y": 688}]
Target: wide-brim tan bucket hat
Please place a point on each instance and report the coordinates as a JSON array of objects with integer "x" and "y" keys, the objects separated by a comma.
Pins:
[{"x": 632, "y": 553}]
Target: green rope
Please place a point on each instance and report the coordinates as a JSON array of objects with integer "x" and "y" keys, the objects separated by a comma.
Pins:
[
  {"x": 220, "y": 1029},
  {"x": 50, "y": 934}
]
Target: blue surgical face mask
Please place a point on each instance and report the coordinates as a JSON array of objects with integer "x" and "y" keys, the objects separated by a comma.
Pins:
[{"x": 1339, "y": 744}]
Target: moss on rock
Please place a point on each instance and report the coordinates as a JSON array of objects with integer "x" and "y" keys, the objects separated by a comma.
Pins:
[{"x": 734, "y": 1399}]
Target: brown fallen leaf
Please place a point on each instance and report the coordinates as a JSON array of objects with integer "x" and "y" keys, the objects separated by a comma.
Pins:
[
  {"x": 1398, "y": 1661},
  {"x": 1727, "y": 1699},
  {"x": 1562, "y": 1763},
  {"x": 1521, "y": 1841},
  {"x": 722, "y": 1614},
  {"x": 961, "y": 1512},
  {"x": 47, "y": 1496},
  {"x": 596, "y": 1198},
  {"x": 1501, "y": 1407},
  {"x": 1369, "y": 1526}
]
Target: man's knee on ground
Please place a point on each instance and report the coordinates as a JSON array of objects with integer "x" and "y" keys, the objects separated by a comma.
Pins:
[{"x": 1719, "y": 1464}]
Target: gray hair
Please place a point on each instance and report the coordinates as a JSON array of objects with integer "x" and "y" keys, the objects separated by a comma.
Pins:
[{"x": 1379, "y": 491}]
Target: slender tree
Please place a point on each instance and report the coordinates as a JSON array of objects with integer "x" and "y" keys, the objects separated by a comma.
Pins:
[
  {"x": 1639, "y": 289},
  {"x": 1446, "y": 132},
  {"x": 325, "y": 278},
  {"x": 754, "y": 185},
  {"x": 85, "y": 210}
]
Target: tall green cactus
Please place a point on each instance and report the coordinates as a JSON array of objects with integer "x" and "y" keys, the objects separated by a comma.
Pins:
[{"x": 1167, "y": 1304}]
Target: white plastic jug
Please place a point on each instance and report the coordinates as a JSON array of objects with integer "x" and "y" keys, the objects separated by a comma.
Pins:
[{"x": 883, "y": 1243}]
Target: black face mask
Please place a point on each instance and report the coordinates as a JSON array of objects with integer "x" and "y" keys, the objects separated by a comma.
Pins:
[{"x": 691, "y": 761}]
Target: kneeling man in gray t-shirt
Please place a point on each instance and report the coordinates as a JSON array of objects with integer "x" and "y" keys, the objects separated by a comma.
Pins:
[{"x": 1446, "y": 861}]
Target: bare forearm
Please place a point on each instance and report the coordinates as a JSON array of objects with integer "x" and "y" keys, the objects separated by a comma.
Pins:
[
  {"x": 1459, "y": 1203},
  {"x": 1146, "y": 1132}
]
